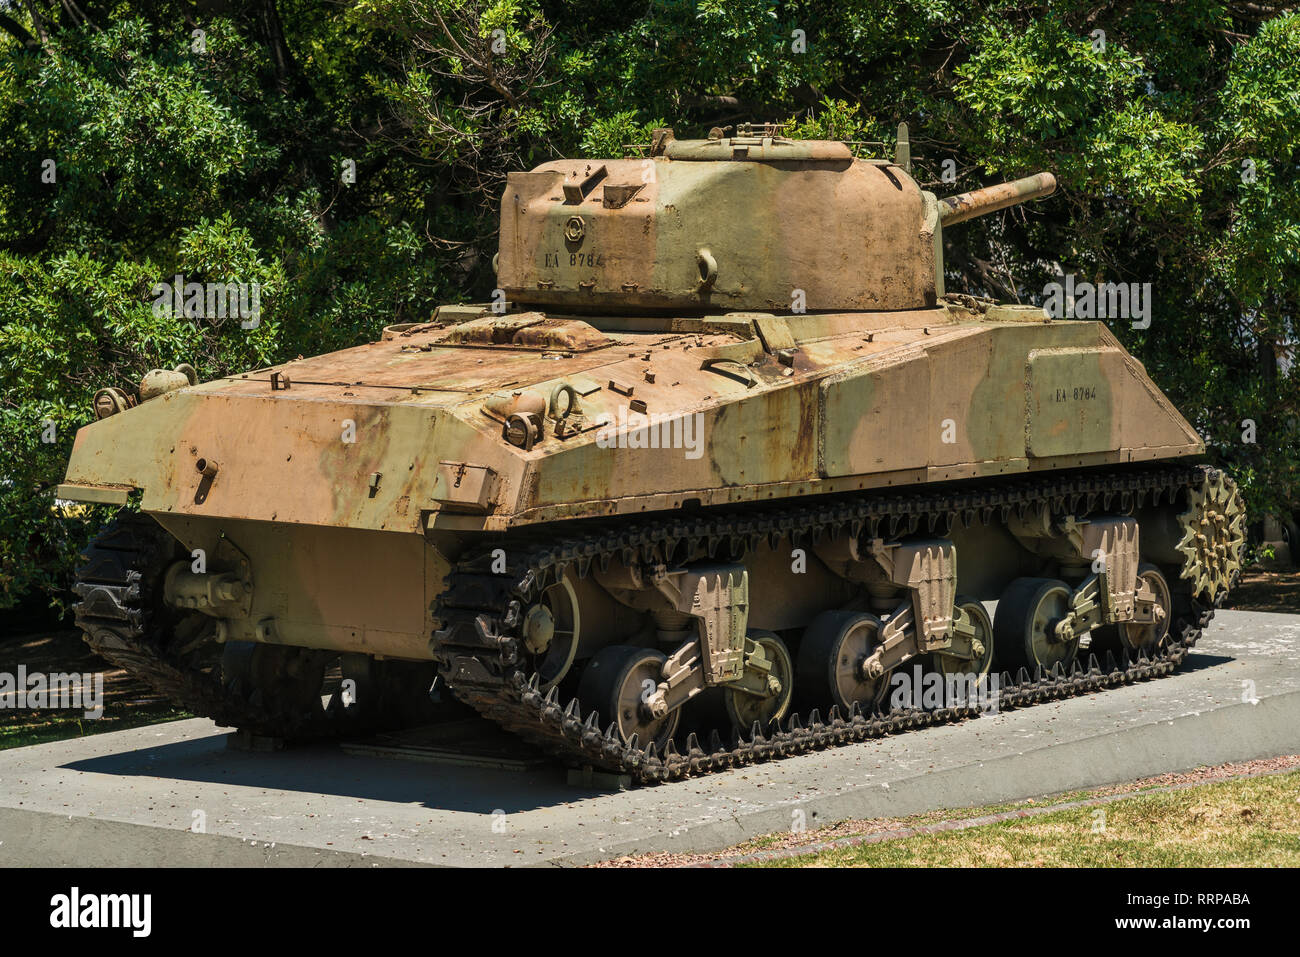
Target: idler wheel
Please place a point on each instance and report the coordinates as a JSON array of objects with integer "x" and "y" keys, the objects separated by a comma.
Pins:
[
  {"x": 745, "y": 704},
  {"x": 551, "y": 629},
  {"x": 831, "y": 654},
  {"x": 978, "y": 666},
  {"x": 1144, "y": 638},
  {"x": 1024, "y": 627},
  {"x": 617, "y": 683}
]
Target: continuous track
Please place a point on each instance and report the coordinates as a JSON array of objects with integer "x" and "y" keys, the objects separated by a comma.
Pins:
[
  {"x": 478, "y": 643},
  {"x": 480, "y": 613}
]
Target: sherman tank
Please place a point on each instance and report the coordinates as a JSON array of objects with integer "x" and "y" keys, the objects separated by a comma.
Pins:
[{"x": 719, "y": 471}]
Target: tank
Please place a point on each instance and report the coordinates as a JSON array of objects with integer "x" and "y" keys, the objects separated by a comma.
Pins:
[{"x": 721, "y": 473}]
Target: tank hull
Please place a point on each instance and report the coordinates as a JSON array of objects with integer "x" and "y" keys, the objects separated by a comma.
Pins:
[
  {"x": 341, "y": 490},
  {"x": 774, "y": 407}
]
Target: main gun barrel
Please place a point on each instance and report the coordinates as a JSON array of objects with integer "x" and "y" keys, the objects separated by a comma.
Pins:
[{"x": 963, "y": 206}]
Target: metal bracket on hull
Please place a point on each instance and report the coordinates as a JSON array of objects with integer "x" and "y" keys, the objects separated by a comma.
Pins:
[
  {"x": 1114, "y": 592},
  {"x": 702, "y": 611},
  {"x": 929, "y": 572},
  {"x": 928, "y": 621},
  {"x": 1112, "y": 545}
]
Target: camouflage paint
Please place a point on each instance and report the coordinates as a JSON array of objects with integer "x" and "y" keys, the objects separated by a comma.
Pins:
[
  {"x": 850, "y": 234},
  {"x": 851, "y": 413}
]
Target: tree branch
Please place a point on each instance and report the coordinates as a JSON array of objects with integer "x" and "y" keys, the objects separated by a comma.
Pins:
[{"x": 18, "y": 32}]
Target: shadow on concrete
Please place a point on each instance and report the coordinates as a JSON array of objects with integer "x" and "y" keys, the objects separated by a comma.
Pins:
[
  {"x": 324, "y": 769},
  {"x": 1199, "y": 661}
]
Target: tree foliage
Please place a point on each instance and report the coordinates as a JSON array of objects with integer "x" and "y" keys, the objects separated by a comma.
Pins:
[{"x": 221, "y": 155}]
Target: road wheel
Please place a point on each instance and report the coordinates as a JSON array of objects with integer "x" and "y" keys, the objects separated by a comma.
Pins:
[
  {"x": 978, "y": 666},
  {"x": 617, "y": 682},
  {"x": 1143, "y": 638},
  {"x": 744, "y": 707},
  {"x": 830, "y": 661},
  {"x": 1025, "y": 622}
]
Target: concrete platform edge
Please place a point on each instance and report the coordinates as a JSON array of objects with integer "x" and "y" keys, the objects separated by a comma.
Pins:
[{"x": 1240, "y": 733}]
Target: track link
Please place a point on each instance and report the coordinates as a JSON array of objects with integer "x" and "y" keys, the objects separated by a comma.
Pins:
[{"x": 480, "y": 613}]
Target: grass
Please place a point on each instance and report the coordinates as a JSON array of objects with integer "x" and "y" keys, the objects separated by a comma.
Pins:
[
  {"x": 128, "y": 702},
  {"x": 1244, "y": 822},
  {"x": 19, "y": 729}
]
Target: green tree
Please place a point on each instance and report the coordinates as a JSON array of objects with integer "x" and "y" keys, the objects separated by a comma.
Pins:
[{"x": 220, "y": 155}]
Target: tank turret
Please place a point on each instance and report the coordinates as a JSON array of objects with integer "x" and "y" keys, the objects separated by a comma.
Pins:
[{"x": 754, "y": 221}]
